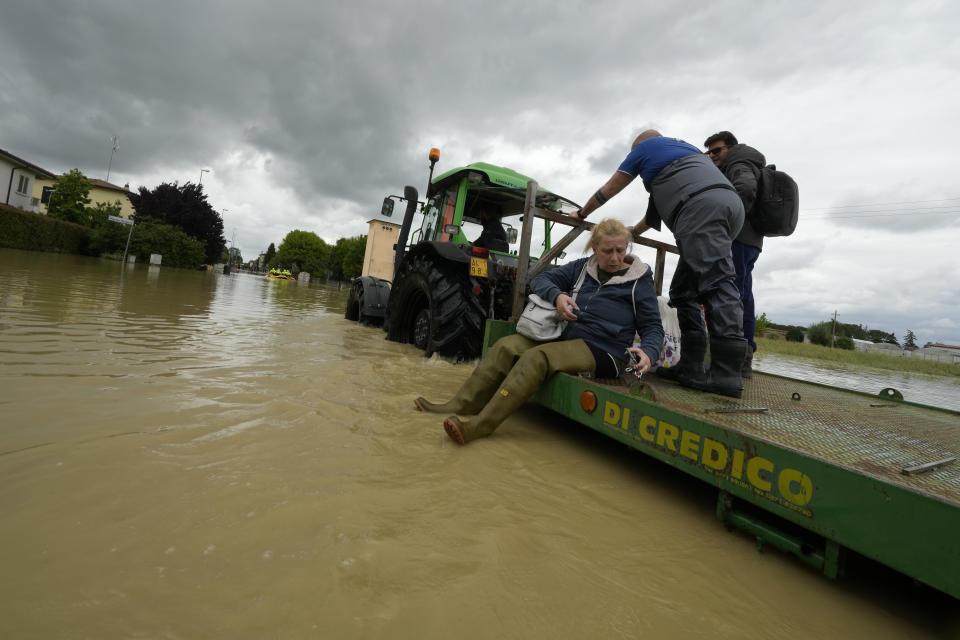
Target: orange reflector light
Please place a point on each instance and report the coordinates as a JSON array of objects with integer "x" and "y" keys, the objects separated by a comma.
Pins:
[
  {"x": 588, "y": 401},
  {"x": 480, "y": 252},
  {"x": 434, "y": 154}
]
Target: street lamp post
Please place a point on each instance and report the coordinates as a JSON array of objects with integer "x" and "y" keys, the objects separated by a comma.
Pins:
[{"x": 202, "y": 171}]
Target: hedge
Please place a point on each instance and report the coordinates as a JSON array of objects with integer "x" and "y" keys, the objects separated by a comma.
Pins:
[{"x": 36, "y": 232}]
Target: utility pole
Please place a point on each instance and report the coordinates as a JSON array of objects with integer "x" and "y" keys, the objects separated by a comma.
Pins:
[
  {"x": 833, "y": 331},
  {"x": 202, "y": 171}
]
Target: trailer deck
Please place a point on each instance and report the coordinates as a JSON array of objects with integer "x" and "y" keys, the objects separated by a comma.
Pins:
[{"x": 872, "y": 474}]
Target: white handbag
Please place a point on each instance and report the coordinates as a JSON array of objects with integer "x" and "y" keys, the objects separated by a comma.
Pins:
[{"x": 540, "y": 320}]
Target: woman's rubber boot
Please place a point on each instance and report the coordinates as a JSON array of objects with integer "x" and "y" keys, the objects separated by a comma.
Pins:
[
  {"x": 726, "y": 362},
  {"x": 693, "y": 350},
  {"x": 471, "y": 397},
  {"x": 531, "y": 371},
  {"x": 483, "y": 382}
]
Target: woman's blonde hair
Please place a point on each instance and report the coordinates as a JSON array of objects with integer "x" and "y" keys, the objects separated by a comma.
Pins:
[{"x": 607, "y": 227}]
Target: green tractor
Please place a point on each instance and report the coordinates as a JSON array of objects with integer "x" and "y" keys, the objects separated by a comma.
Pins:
[{"x": 458, "y": 267}]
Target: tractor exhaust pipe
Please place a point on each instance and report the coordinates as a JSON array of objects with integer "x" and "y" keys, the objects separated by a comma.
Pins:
[{"x": 410, "y": 195}]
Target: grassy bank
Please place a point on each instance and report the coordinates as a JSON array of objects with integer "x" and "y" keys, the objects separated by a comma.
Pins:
[{"x": 856, "y": 358}]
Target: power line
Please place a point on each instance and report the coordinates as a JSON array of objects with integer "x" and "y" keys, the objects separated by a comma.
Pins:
[
  {"x": 950, "y": 210},
  {"x": 878, "y": 204},
  {"x": 896, "y": 213}
]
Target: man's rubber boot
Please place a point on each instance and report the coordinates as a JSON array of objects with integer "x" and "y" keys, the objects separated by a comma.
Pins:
[
  {"x": 483, "y": 382},
  {"x": 726, "y": 362},
  {"x": 693, "y": 350},
  {"x": 746, "y": 371},
  {"x": 531, "y": 371}
]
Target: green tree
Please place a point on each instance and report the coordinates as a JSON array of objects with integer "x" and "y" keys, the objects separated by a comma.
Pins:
[
  {"x": 762, "y": 324},
  {"x": 270, "y": 253},
  {"x": 185, "y": 207},
  {"x": 346, "y": 259},
  {"x": 820, "y": 333},
  {"x": 795, "y": 334},
  {"x": 852, "y": 330},
  {"x": 317, "y": 264},
  {"x": 98, "y": 213},
  {"x": 178, "y": 248},
  {"x": 109, "y": 238},
  {"x": 844, "y": 342},
  {"x": 353, "y": 257},
  {"x": 305, "y": 249},
  {"x": 910, "y": 341},
  {"x": 875, "y": 335},
  {"x": 70, "y": 198}
]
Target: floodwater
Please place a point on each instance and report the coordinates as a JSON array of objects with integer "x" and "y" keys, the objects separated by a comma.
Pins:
[
  {"x": 194, "y": 455},
  {"x": 935, "y": 391}
]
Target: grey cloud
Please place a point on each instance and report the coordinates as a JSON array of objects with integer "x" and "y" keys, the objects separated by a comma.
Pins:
[{"x": 342, "y": 100}]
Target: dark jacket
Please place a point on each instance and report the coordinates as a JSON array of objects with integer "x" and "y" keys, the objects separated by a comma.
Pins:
[
  {"x": 742, "y": 168},
  {"x": 606, "y": 311}
]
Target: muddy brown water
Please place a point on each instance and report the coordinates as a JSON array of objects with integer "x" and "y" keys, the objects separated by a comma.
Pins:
[{"x": 194, "y": 455}]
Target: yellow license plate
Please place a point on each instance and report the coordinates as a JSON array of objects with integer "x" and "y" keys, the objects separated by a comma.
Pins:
[{"x": 478, "y": 267}]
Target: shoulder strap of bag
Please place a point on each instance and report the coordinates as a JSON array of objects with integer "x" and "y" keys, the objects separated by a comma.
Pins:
[{"x": 576, "y": 287}]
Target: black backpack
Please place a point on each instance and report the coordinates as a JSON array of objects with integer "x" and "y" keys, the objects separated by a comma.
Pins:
[{"x": 777, "y": 207}]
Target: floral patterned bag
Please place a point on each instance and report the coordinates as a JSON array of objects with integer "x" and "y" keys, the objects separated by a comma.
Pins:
[{"x": 670, "y": 351}]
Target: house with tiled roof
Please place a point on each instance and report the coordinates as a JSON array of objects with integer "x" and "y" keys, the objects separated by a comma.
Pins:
[
  {"x": 18, "y": 182},
  {"x": 939, "y": 351},
  {"x": 103, "y": 191},
  {"x": 28, "y": 187}
]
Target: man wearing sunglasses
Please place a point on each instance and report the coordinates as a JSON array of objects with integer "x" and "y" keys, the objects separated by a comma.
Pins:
[
  {"x": 702, "y": 209},
  {"x": 742, "y": 166}
]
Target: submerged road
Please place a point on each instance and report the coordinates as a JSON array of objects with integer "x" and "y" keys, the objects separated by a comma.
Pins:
[{"x": 187, "y": 454}]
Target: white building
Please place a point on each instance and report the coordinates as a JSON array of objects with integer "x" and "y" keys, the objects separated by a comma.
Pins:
[{"x": 17, "y": 181}]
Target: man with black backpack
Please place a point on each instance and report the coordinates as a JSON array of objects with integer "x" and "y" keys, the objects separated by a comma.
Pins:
[{"x": 742, "y": 166}]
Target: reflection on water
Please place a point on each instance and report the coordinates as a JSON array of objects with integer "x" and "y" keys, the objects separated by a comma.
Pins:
[{"x": 187, "y": 454}]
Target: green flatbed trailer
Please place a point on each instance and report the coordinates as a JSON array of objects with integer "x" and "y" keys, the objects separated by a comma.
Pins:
[
  {"x": 872, "y": 474},
  {"x": 810, "y": 469}
]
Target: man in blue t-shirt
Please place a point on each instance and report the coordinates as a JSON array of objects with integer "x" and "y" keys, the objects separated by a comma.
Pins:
[{"x": 702, "y": 209}]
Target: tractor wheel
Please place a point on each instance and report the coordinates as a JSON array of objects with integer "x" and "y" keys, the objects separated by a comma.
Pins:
[
  {"x": 421, "y": 329},
  {"x": 432, "y": 306}
]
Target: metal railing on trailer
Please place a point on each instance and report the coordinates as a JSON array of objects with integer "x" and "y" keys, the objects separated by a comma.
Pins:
[{"x": 526, "y": 272}]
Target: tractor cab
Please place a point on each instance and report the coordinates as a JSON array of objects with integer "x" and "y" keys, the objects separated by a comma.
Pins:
[
  {"x": 457, "y": 256},
  {"x": 481, "y": 205}
]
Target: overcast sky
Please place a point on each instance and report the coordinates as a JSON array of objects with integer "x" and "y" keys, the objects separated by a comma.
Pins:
[{"x": 308, "y": 113}]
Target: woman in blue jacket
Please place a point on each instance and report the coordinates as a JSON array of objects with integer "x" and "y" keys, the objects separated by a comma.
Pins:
[{"x": 616, "y": 300}]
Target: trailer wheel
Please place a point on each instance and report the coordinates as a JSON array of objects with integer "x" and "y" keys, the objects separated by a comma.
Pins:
[
  {"x": 354, "y": 302},
  {"x": 432, "y": 306}
]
